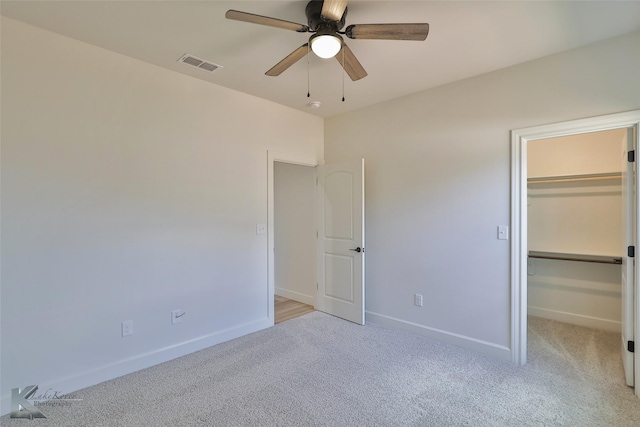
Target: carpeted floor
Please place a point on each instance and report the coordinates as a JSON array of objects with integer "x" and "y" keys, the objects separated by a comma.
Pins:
[{"x": 317, "y": 370}]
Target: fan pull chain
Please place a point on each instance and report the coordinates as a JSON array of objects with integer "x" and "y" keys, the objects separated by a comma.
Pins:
[
  {"x": 308, "y": 73},
  {"x": 343, "y": 73}
]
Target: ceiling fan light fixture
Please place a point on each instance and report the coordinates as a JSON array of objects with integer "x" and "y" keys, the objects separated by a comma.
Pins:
[{"x": 326, "y": 45}]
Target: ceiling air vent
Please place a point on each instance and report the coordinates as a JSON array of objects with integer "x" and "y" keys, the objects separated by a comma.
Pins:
[{"x": 199, "y": 63}]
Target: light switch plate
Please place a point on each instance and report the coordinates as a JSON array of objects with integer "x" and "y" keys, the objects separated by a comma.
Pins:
[
  {"x": 176, "y": 316},
  {"x": 503, "y": 232}
]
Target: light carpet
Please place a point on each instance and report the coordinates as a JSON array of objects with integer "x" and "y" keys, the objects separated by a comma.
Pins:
[{"x": 318, "y": 370}]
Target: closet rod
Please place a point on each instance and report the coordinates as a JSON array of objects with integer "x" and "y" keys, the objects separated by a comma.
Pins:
[
  {"x": 574, "y": 178},
  {"x": 575, "y": 257}
]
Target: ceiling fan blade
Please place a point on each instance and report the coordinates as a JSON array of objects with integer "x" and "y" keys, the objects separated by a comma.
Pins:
[
  {"x": 333, "y": 9},
  {"x": 350, "y": 63},
  {"x": 388, "y": 31},
  {"x": 236, "y": 15},
  {"x": 287, "y": 62}
]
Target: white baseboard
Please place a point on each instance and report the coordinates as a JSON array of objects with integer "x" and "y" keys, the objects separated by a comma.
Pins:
[
  {"x": 484, "y": 347},
  {"x": 296, "y": 296},
  {"x": 119, "y": 368},
  {"x": 575, "y": 319}
]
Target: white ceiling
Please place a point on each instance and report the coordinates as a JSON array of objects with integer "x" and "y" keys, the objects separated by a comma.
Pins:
[{"x": 465, "y": 39}]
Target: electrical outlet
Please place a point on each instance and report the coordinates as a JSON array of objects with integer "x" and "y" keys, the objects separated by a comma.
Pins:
[
  {"x": 417, "y": 300},
  {"x": 176, "y": 316},
  {"x": 127, "y": 328}
]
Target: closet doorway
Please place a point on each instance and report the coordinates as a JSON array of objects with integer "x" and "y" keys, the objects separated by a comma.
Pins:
[
  {"x": 574, "y": 221},
  {"x": 521, "y": 138},
  {"x": 577, "y": 237}
]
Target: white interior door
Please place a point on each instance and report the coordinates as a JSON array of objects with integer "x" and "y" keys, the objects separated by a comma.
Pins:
[
  {"x": 340, "y": 251},
  {"x": 629, "y": 201}
]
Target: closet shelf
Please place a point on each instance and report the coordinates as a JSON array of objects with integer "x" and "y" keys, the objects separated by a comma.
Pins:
[
  {"x": 575, "y": 178},
  {"x": 602, "y": 259}
]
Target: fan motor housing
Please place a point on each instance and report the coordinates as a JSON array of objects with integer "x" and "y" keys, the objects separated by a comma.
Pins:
[{"x": 316, "y": 21}]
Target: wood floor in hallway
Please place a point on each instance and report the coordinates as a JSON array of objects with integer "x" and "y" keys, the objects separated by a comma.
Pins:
[{"x": 287, "y": 309}]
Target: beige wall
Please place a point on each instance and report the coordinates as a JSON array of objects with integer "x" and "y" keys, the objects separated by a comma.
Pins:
[
  {"x": 438, "y": 184},
  {"x": 589, "y": 153}
]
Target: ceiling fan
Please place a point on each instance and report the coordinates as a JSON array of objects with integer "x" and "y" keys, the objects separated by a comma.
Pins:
[{"x": 326, "y": 20}]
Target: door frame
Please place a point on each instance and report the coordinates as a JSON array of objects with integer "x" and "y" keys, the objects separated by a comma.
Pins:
[
  {"x": 519, "y": 140},
  {"x": 272, "y": 157}
]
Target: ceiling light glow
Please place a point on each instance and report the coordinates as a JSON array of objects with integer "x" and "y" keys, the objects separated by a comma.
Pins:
[{"x": 326, "y": 45}]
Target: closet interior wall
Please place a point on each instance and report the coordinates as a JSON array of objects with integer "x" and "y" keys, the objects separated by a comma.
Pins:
[{"x": 575, "y": 211}]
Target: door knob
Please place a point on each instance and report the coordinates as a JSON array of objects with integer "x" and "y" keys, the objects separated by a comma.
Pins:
[{"x": 358, "y": 249}]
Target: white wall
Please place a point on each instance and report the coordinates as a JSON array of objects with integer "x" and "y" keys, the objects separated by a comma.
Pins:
[
  {"x": 128, "y": 191},
  {"x": 576, "y": 218},
  {"x": 438, "y": 184},
  {"x": 295, "y": 232}
]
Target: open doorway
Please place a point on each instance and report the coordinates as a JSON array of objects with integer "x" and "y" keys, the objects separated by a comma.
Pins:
[
  {"x": 519, "y": 245},
  {"x": 274, "y": 157},
  {"x": 339, "y": 234},
  {"x": 294, "y": 240},
  {"x": 575, "y": 244},
  {"x": 574, "y": 202}
]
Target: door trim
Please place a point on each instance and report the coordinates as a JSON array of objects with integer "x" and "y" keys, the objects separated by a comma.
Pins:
[
  {"x": 519, "y": 139},
  {"x": 272, "y": 157}
]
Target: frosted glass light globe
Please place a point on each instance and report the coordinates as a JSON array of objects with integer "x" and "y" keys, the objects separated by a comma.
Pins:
[{"x": 326, "y": 45}]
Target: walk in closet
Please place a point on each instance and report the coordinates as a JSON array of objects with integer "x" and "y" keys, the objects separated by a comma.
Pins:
[{"x": 575, "y": 228}]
